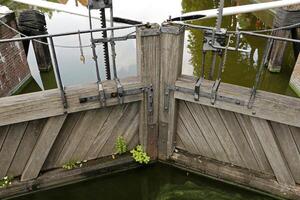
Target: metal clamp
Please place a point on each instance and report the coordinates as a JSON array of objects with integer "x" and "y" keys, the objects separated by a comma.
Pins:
[
  {"x": 214, "y": 91},
  {"x": 150, "y": 99},
  {"x": 120, "y": 91},
  {"x": 197, "y": 89}
]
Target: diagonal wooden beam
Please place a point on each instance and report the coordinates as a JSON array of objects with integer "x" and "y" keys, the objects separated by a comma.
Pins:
[{"x": 42, "y": 147}]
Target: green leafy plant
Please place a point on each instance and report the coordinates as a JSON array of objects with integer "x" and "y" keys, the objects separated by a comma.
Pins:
[
  {"x": 73, "y": 164},
  {"x": 139, "y": 155},
  {"x": 121, "y": 146},
  {"x": 5, "y": 181}
]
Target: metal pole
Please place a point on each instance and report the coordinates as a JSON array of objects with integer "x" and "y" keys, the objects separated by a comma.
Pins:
[
  {"x": 113, "y": 48},
  {"x": 57, "y": 73}
]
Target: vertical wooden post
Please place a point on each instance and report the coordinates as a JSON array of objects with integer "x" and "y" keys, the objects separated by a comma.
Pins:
[
  {"x": 148, "y": 58},
  {"x": 282, "y": 18},
  {"x": 172, "y": 43}
]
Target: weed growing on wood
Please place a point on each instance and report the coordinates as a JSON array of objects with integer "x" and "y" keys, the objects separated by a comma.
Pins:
[
  {"x": 5, "y": 181},
  {"x": 121, "y": 146},
  {"x": 73, "y": 164},
  {"x": 139, "y": 155}
]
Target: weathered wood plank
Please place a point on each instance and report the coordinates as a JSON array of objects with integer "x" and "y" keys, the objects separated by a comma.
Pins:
[
  {"x": 208, "y": 132},
  {"x": 42, "y": 147},
  {"x": 172, "y": 44},
  {"x": 131, "y": 134},
  {"x": 120, "y": 128},
  {"x": 270, "y": 106},
  {"x": 48, "y": 103},
  {"x": 3, "y": 133},
  {"x": 289, "y": 148},
  {"x": 30, "y": 137},
  {"x": 10, "y": 146},
  {"x": 273, "y": 152},
  {"x": 185, "y": 137},
  {"x": 99, "y": 118},
  {"x": 254, "y": 143},
  {"x": 78, "y": 133},
  {"x": 235, "y": 174},
  {"x": 106, "y": 131},
  {"x": 229, "y": 146},
  {"x": 195, "y": 133},
  {"x": 296, "y": 134},
  {"x": 62, "y": 138},
  {"x": 239, "y": 139},
  {"x": 148, "y": 58}
]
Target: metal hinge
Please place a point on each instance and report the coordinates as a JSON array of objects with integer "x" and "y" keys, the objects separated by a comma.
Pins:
[
  {"x": 212, "y": 96},
  {"x": 150, "y": 102}
]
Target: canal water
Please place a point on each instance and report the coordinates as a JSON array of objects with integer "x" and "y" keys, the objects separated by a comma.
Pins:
[
  {"x": 158, "y": 182},
  {"x": 240, "y": 68}
]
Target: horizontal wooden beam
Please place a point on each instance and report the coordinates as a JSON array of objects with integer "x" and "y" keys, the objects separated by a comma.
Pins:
[
  {"x": 269, "y": 106},
  {"x": 26, "y": 107},
  {"x": 233, "y": 174}
]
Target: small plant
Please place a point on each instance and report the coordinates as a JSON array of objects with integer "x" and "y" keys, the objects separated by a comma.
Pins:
[
  {"x": 73, "y": 164},
  {"x": 5, "y": 181},
  {"x": 139, "y": 155},
  {"x": 121, "y": 146}
]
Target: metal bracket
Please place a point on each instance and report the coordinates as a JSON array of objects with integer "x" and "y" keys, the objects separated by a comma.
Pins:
[
  {"x": 197, "y": 89},
  {"x": 120, "y": 91},
  {"x": 213, "y": 39},
  {"x": 207, "y": 95},
  {"x": 150, "y": 100},
  {"x": 214, "y": 91}
]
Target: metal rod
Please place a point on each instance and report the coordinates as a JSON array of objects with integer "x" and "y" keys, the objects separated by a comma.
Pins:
[
  {"x": 270, "y": 37},
  {"x": 57, "y": 73},
  {"x": 95, "y": 57},
  {"x": 112, "y": 43},
  {"x": 68, "y": 33}
]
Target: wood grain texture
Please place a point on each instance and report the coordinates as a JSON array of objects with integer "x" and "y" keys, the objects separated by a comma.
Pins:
[
  {"x": 30, "y": 137},
  {"x": 239, "y": 139},
  {"x": 296, "y": 135},
  {"x": 208, "y": 132},
  {"x": 3, "y": 134},
  {"x": 254, "y": 143},
  {"x": 269, "y": 106},
  {"x": 42, "y": 147},
  {"x": 289, "y": 148},
  {"x": 273, "y": 152},
  {"x": 10, "y": 146},
  {"x": 26, "y": 107},
  {"x": 52, "y": 160},
  {"x": 194, "y": 131},
  {"x": 220, "y": 129}
]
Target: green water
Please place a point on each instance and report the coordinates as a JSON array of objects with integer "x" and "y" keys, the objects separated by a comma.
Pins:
[
  {"x": 158, "y": 182},
  {"x": 240, "y": 68}
]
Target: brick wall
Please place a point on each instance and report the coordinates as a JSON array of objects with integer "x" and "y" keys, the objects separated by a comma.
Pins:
[{"x": 14, "y": 69}]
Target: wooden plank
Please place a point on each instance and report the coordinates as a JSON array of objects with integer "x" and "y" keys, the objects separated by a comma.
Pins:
[
  {"x": 48, "y": 103},
  {"x": 273, "y": 152},
  {"x": 10, "y": 146},
  {"x": 254, "y": 143},
  {"x": 178, "y": 141},
  {"x": 229, "y": 146},
  {"x": 234, "y": 174},
  {"x": 172, "y": 44},
  {"x": 30, "y": 137},
  {"x": 296, "y": 134},
  {"x": 148, "y": 57},
  {"x": 208, "y": 132},
  {"x": 78, "y": 133},
  {"x": 120, "y": 128},
  {"x": 186, "y": 138},
  {"x": 99, "y": 118},
  {"x": 3, "y": 134},
  {"x": 270, "y": 106},
  {"x": 62, "y": 138},
  {"x": 295, "y": 78},
  {"x": 195, "y": 133},
  {"x": 239, "y": 139},
  {"x": 131, "y": 134},
  {"x": 42, "y": 147},
  {"x": 106, "y": 131},
  {"x": 289, "y": 148}
]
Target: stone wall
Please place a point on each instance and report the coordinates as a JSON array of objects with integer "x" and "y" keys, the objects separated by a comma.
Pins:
[{"x": 14, "y": 69}]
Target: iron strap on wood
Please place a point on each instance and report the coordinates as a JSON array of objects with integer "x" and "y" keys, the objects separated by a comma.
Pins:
[{"x": 201, "y": 94}]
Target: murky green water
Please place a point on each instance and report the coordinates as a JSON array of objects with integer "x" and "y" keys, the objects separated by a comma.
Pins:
[
  {"x": 240, "y": 67},
  {"x": 158, "y": 182}
]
